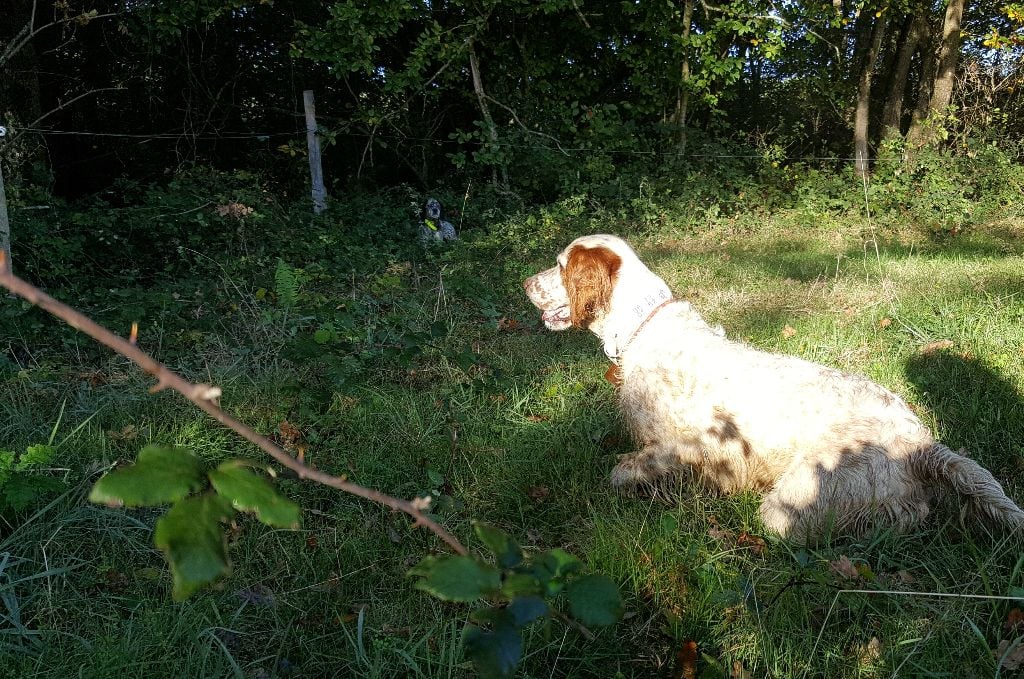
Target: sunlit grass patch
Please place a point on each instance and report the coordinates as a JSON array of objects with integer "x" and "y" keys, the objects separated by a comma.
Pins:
[{"x": 524, "y": 437}]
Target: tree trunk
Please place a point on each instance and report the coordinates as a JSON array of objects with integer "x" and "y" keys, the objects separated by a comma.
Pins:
[
  {"x": 683, "y": 96},
  {"x": 924, "y": 89},
  {"x": 949, "y": 56},
  {"x": 892, "y": 114},
  {"x": 944, "y": 68},
  {"x": 492, "y": 130},
  {"x": 860, "y": 124}
]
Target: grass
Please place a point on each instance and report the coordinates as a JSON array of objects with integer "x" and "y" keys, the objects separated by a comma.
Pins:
[{"x": 84, "y": 593}]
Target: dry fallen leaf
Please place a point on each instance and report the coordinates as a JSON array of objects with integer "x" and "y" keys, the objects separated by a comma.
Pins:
[
  {"x": 290, "y": 434},
  {"x": 885, "y": 323},
  {"x": 788, "y": 331},
  {"x": 509, "y": 324},
  {"x": 845, "y": 568},
  {"x": 756, "y": 544},
  {"x": 536, "y": 418},
  {"x": 932, "y": 347},
  {"x": 869, "y": 653},
  {"x": 1014, "y": 621},
  {"x": 686, "y": 661},
  {"x": 905, "y": 577},
  {"x": 538, "y": 493},
  {"x": 720, "y": 534},
  {"x": 738, "y": 671},
  {"x": 1013, "y": 660}
]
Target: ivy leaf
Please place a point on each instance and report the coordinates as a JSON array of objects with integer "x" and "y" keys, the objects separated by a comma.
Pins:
[
  {"x": 159, "y": 476},
  {"x": 494, "y": 653},
  {"x": 594, "y": 600},
  {"x": 35, "y": 456},
  {"x": 456, "y": 578},
  {"x": 250, "y": 492},
  {"x": 526, "y": 609},
  {"x": 190, "y": 536},
  {"x": 505, "y": 548}
]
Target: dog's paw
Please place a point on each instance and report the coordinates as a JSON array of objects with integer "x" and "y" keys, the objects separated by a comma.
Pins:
[{"x": 630, "y": 472}]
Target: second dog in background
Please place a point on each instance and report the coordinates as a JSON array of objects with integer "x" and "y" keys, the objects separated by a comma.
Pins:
[{"x": 434, "y": 228}]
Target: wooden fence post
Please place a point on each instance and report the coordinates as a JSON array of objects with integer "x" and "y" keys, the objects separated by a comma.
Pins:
[{"x": 316, "y": 172}]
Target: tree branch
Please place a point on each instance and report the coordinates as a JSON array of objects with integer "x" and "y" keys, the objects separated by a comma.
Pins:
[
  {"x": 205, "y": 397},
  {"x": 61, "y": 107}
]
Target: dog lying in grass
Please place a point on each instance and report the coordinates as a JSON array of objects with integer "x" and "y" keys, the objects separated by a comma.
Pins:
[{"x": 831, "y": 451}]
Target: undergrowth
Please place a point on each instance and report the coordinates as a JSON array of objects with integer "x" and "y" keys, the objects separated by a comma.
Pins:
[{"x": 426, "y": 373}]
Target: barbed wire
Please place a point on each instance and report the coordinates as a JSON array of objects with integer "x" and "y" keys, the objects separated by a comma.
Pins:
[{"x": 265, "y": 136}]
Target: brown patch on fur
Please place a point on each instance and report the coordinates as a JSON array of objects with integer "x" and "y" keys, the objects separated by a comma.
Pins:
[
  {"x": 730, "y": 432},
  {"x": 589, "y": 277}
]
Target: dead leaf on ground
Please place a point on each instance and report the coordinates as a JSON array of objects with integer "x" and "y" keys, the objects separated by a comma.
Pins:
[
  {"x": 720, "y": 534},
  {"x": 1014, "y": 621},
  {"x": 537, "y": 418},
  {"x": 845, "y": 568},
  {"x": 869, "y": 653},
  {"x": 127, "y": 433},
  {"x": 508, "y": 324},
  {"x": 754, "y": 543},
  {"x": 738, "y": 671},
  {"x": 905, "y": 577},
  {"x": 290, "y": 434},
  {"x": 788, "y": 331},
  {"x": 932, "y": 347},
  {"x": 1014, "y": 660},
  {"x": 686, "y": 661},
  {"x": 538, "y": 493},
  {"x": 885, "y": 322},
  {"x": 94, "y": 377}
]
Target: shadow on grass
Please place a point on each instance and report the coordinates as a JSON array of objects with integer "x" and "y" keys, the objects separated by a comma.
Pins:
[{"x": 976, "y": 408}]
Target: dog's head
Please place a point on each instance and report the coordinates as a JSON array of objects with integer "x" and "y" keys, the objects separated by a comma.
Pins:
[
  {"x": 432, "y": 209},
  {"x": 594, "y": 276}
]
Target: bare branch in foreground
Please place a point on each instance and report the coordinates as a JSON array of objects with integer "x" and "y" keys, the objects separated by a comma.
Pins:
[{"x": 205, "y": 397}]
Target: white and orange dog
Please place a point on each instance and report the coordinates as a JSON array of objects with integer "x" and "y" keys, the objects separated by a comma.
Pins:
[{"x": 832, "y": 451}]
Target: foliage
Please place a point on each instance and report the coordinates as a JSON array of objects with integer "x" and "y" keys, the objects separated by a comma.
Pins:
[
  {"x": 519, "y": 592},
  {"x": 23, "y": 480},
  {"x": 189, "y": 533}
]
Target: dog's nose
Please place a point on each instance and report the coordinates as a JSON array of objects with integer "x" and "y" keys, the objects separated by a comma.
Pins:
[{"x": 526, "y": 284}]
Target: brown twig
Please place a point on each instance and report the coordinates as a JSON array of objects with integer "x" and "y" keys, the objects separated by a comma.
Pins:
[{"x": 205, "y": 397}]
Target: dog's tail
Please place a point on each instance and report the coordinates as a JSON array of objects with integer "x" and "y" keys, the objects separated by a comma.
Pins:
[{"x": 971, "y": 481}]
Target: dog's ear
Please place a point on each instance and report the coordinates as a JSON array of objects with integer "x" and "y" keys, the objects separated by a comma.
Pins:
[{"x": 589, "y": 277}]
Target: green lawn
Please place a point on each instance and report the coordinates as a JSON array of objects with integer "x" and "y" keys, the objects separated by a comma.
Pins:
[{"x": 524, "y": 439}]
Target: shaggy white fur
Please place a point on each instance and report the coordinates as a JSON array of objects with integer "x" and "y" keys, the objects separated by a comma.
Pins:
[{"x": 832, "y": 451}]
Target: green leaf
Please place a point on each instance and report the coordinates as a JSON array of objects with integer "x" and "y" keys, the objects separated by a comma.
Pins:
[
  {"x": 159, "y": 476},
  {"x": 435, "y": 478},
  {"x": 519, "y": 584},
  {"x": 190, "y": 536},
  {"x": 526, "y": 609},
  {"x": 35, "y": 456},
  {"x": 551, "y": 567},
  {"x": 249, "y": 492},
  {"x": 494, "y": 653},
  {"x": 6, "y": 465},
  {"x": 21, "y": 490},
  {"x": 456, "y": 578},
  {"x": 594, "y": 600},
  {"x": 505, "y": 549}
]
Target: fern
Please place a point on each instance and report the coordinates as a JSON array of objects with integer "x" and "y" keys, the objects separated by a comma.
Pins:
[{"x": 286, "y": 284}]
